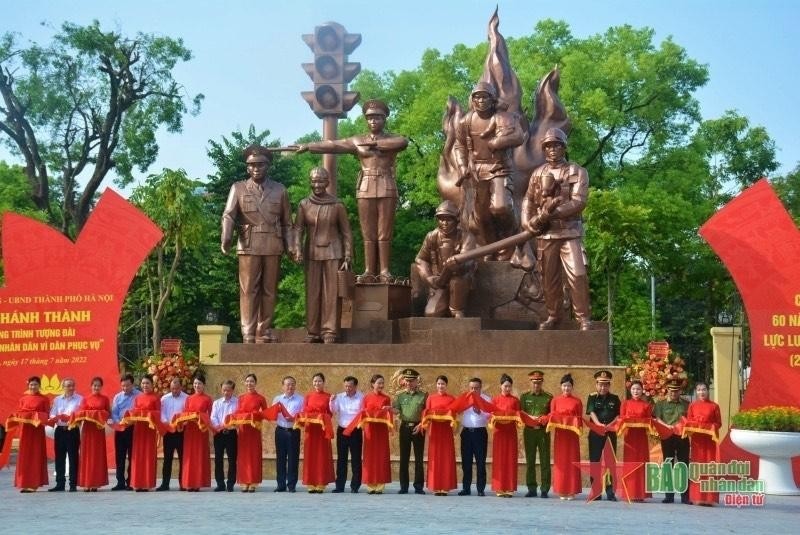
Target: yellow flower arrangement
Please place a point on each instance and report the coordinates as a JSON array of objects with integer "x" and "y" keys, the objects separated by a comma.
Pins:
[{"x": 768, "y": 418}]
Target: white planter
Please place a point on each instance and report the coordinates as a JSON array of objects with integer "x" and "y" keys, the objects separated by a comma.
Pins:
[{"x": 775, "y": 450}]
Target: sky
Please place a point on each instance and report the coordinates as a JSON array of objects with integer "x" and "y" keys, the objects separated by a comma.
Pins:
[{"x": 247, "y": 53}]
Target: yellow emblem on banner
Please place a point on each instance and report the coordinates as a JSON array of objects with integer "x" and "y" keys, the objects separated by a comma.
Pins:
[{"x": 51, "y": 385}]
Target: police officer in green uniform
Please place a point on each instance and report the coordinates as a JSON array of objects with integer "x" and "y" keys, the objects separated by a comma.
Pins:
[
  {"x": 536, "y": 403},
  {"x": 409, "y": 405},
  {"x": 603, "y": 408},
  {"x": 669, "y": 412}
]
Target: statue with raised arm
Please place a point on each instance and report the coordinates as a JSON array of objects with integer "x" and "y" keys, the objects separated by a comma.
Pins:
[
  {"x": 551, "y": 211},
  {"x": 376, "y": 189},
  {"x": 259, "y": 209},
  {"x": 485, "y": 137},
  {"x": 328, "y": 247}
]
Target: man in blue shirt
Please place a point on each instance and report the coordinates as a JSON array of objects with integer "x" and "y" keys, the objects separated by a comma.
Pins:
[{"x": 123, "y": 440}]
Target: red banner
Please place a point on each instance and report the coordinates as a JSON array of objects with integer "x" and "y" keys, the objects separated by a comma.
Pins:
[
  {"x": 758, "y": 242},
  {"x": 61, "y": 301},
  {"x": 659, "y": 349}
]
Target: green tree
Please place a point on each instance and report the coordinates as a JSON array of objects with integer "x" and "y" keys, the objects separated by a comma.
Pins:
[
  {"x": 15, "y": 197},
  {"x": 89, "y": 102},
  {"x": 172, "y": 200},
  {"x": 738, "y": 154}
]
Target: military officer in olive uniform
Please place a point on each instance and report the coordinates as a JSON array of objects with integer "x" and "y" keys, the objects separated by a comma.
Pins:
[
  {"x": 669, "y": 412},
  {"x": 260, "y": 208},
  {"x": 603, "y": 408},
  {"x": 536, "y": 403},
  {"x": 408, "y": 405}
]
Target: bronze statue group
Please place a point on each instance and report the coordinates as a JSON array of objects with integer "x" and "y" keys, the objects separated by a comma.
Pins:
[{"x": 362, "y": 425}]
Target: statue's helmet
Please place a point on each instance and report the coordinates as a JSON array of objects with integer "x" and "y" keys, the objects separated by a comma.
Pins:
[
  {"x": 484, "y": 87},
  {"x": 554, "y": 134},
  {"x": 448, "y": 209}
]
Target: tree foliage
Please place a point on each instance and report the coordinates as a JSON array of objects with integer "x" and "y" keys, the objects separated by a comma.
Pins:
[
  {"x": 171, "y": 200},
  {"x": 89, "y": 102}
]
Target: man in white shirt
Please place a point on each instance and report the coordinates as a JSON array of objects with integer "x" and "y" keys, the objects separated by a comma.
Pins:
[
  {"x": 474, "y": 442},
  {"x": 172, "y": 404},
  {"x": 287, "y": 439},
  {"x": 67, "y": 441},
  {"x": 225, "y": 442},
  {"x": 346, "y": 406}
]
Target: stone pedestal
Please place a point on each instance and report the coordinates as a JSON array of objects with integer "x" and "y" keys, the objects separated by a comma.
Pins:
[
  {"x": 727, "y": 350},
  {"x": 211, "y": 339},
  {"x": 380, "y": 302}
]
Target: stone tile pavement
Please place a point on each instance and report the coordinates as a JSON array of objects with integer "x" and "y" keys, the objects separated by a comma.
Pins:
[{"x": 264, "y": 511}]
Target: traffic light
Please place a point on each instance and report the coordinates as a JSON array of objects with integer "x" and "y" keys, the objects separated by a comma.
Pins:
[{"x": 331, "y": 71}]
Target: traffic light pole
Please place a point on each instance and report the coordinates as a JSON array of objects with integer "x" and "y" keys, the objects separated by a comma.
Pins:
[
  {"x": 330, "y": 125},
  {"x": 331, "y": 72}
]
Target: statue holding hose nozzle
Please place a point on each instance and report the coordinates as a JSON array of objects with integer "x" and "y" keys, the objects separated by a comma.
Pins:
[{"x": 448, "y": 280}]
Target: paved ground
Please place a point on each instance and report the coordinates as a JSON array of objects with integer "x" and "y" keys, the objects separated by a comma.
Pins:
[{"x": 218, "y": 513}]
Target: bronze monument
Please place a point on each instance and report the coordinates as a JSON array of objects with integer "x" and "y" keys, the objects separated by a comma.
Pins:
[
  {"x": 448, "y": 282},
  {"x": 328, "y": 247},
  {"x": 551, "y": 210},
  {"x": 376, "y": 189},
  {"x": 484, "y": 139},
  {"x": 259, "y": 208}
]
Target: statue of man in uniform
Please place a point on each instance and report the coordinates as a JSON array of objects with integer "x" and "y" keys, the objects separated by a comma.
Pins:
[
  {"x": 376, "y": 189},
  {"x": 552, "y": 207},
  {"x": 484, "y": 139},
  {"x": 259, "y": 208}
]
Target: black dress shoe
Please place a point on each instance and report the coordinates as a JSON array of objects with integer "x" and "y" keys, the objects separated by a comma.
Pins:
[
  {"x": 57, "y": 488},
  {"x": 543, "y": 494},
  {"x": 419, "y": 491},
  {"x": 337, "y": 491},
  {"x": 219, "y": 489},
  {"x": 402, "y": 491},
  {"x": 278, "y": 489},
  {"x": 73, "y": 488},
  {"x": 481, "y": 493},
  {"x": 353, "y": 491},
  {"x": 464, "y": 493},
  {"x": 531, "y": 494},
  {"x": 162, "y": 488},
  {"x": 668, "y": 500},
  {"x": 291, "y": 489},
  {"x": 611, "y": 497},
  {"x": 118, "y": 487}
]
